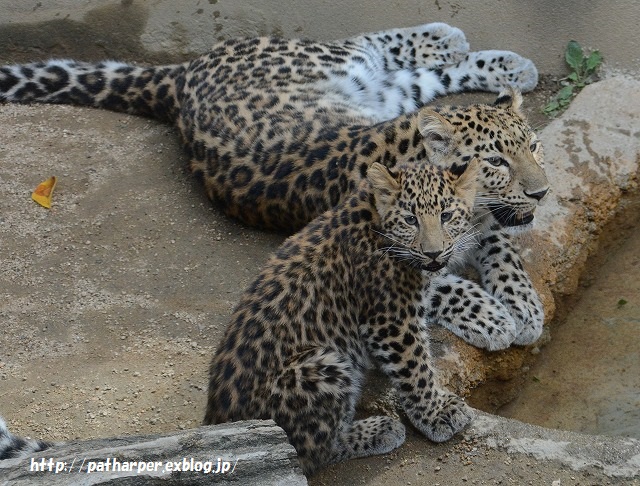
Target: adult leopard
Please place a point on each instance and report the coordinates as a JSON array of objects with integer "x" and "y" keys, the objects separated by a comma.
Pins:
[{"x": 281, "y": 130}]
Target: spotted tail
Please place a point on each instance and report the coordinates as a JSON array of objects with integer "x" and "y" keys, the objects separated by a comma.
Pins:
[
  {"x": 146, "y": 91},
  {"x": 13, "y": 446}
]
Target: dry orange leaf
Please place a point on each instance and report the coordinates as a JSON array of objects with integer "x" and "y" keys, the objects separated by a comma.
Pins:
[{"x": 42, "y": 194}]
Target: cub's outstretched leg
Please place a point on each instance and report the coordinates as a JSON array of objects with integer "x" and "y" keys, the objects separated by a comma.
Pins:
[
  {"x": 468, "y": 311},
  {"x": 406, "y": 360}
]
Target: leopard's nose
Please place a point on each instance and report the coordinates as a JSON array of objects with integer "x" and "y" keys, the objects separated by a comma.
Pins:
[
  {"x": 433, "y": 254},
  {"x": 537, "y": 195}
]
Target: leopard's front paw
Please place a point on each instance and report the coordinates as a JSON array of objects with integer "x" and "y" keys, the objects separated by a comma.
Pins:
[
  {"x": 494, "y": 327},
  {"x": 519, "y": 298},
  {"x": 530, "y": 320},
  {"x": 472, "y": 314}
]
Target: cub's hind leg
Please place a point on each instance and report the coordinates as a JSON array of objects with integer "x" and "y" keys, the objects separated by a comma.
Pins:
[
  {"x": 369, "y": 437},
  {"x": 314, "y": 399}
]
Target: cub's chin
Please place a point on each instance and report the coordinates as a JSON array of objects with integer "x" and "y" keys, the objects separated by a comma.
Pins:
[{"x": 433, "y": 266}]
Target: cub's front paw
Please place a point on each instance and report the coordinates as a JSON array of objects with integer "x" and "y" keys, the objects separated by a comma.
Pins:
[
  {"x": 449, "y": 418},
  {"x": 493, "y": 328}
]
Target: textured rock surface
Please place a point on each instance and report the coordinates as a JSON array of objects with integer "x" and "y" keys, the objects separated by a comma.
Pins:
[
  {"x": 593, "y": 155},
  {"x": 253, "y": 452}
]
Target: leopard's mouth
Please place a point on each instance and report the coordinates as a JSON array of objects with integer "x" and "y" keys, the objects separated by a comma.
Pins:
[
  {"x": 507, "y": 216},
  {"x": 433, "y": 266}
]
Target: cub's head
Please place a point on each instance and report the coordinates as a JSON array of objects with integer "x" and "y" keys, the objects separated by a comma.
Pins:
[
  {"x": 511, "y": 180},
  {"x": 425, "y": 212}
]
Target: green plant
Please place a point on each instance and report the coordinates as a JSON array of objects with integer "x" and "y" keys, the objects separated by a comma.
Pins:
[{"x": 583, "y": 69}]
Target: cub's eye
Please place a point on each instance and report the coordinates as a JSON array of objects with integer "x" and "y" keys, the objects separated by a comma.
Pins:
[
  {"x": 534, "y": 146},
  {"x": 411, "y": 220},
  {"x": 446, "y": 216},
  {"x": 497, "y": 161}
]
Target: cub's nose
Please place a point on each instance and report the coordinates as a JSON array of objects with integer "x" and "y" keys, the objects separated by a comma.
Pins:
[
  {"x": 433, "y": 254},
  {"x": 537, "y": 195}
]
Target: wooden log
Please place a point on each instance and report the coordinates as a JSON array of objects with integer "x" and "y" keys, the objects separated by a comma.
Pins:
[{"x": 253, "y": 452}]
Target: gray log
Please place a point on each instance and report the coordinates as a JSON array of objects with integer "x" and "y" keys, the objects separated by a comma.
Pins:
[{"x": 254, "y": 452}]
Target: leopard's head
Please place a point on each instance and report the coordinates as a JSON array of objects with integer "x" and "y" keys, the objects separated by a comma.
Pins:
[
  {"x": 425, "y": 212},
  {"x": 511, "y": 178}
]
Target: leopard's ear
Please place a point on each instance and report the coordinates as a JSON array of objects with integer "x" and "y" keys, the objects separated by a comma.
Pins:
[
  {"x": 437, "y": 135},
  {"x": 509, "y": 98},
  {"x": 467, "y": 182},
  {"x": 385, "y": 184}
]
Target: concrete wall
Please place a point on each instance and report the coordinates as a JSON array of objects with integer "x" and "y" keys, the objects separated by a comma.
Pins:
[{"x": 159, "y": 30}]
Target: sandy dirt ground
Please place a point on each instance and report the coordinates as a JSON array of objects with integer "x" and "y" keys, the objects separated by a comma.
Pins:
[{"x": 113, "y": 301}]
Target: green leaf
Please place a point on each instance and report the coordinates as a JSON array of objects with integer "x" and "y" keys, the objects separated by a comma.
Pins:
[
  {"x": 573, "y": 76},
  {"x": 551, "y": 107},
  {"x": 565, "y": 92},
  {"x": 593, "y": 61},
  {"x": 574, "y": 56},
  {"x": 621, "y": 302},
  {"x": 535, "y": 379}
]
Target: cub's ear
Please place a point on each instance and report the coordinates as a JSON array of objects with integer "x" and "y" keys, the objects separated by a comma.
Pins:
[
  {"x": 467, "y": 183},
  {"x": 385, "y": 184},
  {"x": 437, "y": 135},
  {"x": 509, "y": 98},
  {"x": 383, "y": 179}
]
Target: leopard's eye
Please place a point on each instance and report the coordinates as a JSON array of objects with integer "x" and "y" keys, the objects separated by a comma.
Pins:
[
  {"x": 534, "y": 146},
  {"x": 446, "y": 216},
  {"x": 497, "y": 161},
  {"x": 411, "y": 220}
]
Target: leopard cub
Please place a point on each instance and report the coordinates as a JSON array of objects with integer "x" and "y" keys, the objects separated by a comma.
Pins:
[{"x": 344, "y": 292}]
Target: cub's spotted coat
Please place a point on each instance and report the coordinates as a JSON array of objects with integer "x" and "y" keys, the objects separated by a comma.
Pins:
[{"x": 343, "y": 292}]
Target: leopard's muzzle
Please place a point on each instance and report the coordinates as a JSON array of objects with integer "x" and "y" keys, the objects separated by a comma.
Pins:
[
  {"x": 433, "y": 266},
  {"x": 508, "y": 216}
]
